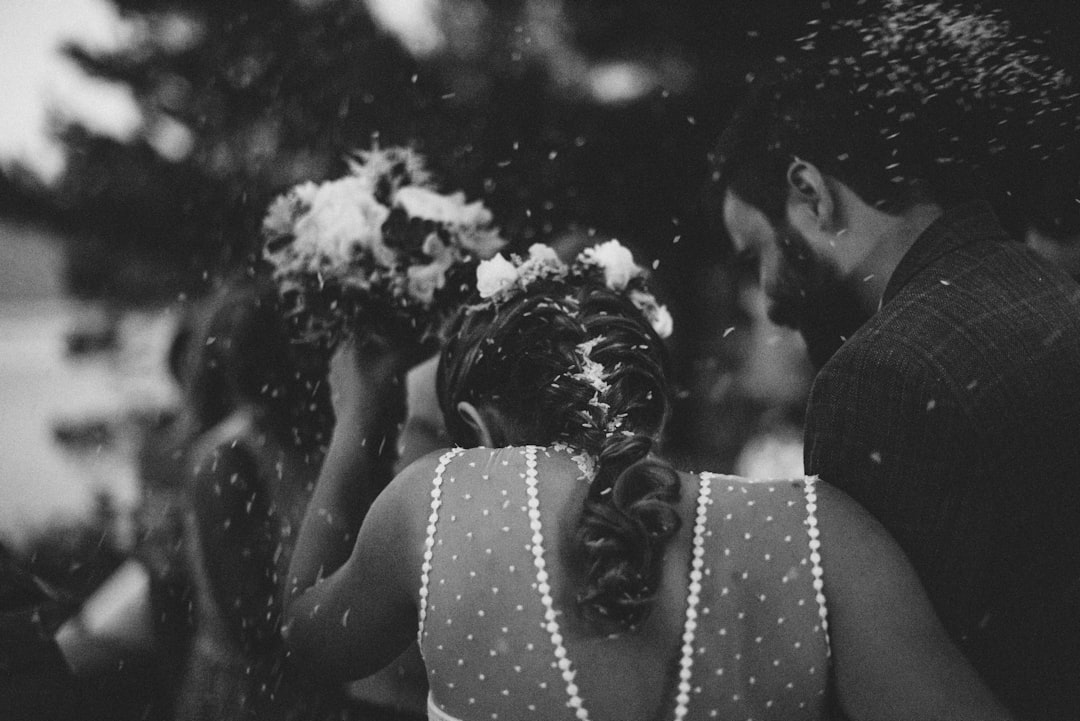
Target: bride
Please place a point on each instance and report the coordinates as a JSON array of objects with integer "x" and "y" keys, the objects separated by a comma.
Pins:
[{"x": 552, "y": 566}]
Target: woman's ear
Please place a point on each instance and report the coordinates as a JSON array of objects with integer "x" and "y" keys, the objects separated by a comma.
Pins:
[
  {"x": 476, "y": 421},
  {"x": 811, "y": 203}
]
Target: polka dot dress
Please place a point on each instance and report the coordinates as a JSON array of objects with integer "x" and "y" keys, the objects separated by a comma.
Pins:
[{"x": 750, "y": 640}]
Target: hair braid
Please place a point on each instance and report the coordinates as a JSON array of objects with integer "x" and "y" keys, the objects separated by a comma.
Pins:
[
  {"x": 629, "y": 514},
  {"x": 528, "y": 359}
]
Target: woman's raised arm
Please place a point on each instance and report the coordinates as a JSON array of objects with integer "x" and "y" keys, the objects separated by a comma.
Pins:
[{"x": 362, "y": 614}]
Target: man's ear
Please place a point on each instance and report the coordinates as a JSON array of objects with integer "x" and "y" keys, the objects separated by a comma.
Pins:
[
  {"x": 476, "y": 421},
  {"x": 811, "y": 202}
]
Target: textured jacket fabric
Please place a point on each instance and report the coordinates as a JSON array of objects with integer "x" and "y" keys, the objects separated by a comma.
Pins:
[{"x": 953, "y": 415}]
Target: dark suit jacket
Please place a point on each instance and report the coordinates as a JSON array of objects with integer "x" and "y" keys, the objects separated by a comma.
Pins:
[{"x": 953, "y": 415}]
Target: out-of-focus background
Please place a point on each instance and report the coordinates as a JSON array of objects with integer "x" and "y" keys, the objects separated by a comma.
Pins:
[{"x": 140, "y": 142}]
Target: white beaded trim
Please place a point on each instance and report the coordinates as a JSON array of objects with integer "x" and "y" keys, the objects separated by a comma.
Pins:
[
  {"x": 429, "y": 542},
  {"x": 550, "y": 618},
  {"x": 693, "y": 598},
  {"x": 810, "y": 490}
]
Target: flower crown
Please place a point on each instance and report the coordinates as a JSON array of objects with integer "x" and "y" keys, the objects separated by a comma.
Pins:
[{"x": 499, "y": 279}]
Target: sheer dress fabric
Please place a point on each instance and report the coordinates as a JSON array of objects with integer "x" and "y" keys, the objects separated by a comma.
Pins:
[{"x": 749, "y": 640}]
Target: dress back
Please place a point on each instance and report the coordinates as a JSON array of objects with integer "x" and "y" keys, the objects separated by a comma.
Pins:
[{"x": 738, "y": 631}]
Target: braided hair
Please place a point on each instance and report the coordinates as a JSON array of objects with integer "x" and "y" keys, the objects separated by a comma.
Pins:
[{"x": 528, "y": 359}]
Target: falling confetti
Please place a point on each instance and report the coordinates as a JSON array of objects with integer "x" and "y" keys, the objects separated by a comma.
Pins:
[{"x": 961, "y": 85}]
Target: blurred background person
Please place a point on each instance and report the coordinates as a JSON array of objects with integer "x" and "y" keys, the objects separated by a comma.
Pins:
[{"x": 260, "y": 406}]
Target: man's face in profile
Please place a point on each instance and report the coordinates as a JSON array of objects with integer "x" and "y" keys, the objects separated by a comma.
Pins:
[{"x": 797, "y": 280}]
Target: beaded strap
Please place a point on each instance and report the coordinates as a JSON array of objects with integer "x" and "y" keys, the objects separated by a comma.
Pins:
[
  {"x": 810, "y": 489},
  {"x": 693, "y": 598},
  {"x": 429, "y": 542},
  {"x": 550, "y": 617}
]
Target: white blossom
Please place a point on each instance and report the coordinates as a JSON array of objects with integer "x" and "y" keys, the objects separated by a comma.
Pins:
[
  {"x": 662, "y": 322},
  {"x": 279, "y": 217},
  {"x": 615, "y": 260},
  {"x": 305, "y": 192},
  {"x": 450, "y": 209},
  {"x": 543, "y": 262},
  {"x": 481, "y": 242},
  {"x": 344, "y": 220},
  {"x": 424, "y": 280},
  {"x": 657, "y": 315},
  {"x": 495, "y": 275},
  {"x": 543, "y": 253}
]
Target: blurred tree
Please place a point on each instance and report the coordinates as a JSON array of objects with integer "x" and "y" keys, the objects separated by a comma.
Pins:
[{"x": 239, "y": 99}]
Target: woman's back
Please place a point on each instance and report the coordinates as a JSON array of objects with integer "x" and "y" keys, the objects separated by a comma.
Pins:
[
  {"x": 757, "y": 645},
  {"x": 511, "y": 560}
]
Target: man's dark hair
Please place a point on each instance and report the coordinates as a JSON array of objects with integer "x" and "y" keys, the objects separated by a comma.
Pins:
[
  {"x": 820, "y": 112},
  {"x": 905, "y": 102}
]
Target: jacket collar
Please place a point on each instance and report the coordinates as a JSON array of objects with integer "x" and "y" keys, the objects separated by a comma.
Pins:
[{"x": 956, "y": 227}]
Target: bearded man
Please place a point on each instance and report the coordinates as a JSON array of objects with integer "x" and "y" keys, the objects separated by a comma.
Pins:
[{"x": 953, "y": 412}]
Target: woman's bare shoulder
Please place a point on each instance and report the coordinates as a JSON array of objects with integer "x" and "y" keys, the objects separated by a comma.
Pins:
[
  {"x": 412, "y": 485},
  {"x": 851, "y": 527}
]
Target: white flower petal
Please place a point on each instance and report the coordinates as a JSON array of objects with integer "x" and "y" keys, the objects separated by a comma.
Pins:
[{"x": 495, "y": 275}]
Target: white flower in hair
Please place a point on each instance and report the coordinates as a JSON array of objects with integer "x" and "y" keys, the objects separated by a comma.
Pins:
[
  {"x": 542, "y": 253},
  {"x": 615, "y": 260},
  {"x": 657, "y": 315},
  {"x": 495, "y": 275},
  {"x": 498, "y": 276},
  {"x": 662, "y": 322},
  {"x": 543, "y": 262}
]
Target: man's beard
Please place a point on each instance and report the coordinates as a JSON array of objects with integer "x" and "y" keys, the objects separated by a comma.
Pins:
[{"x": 811, "y": 296}]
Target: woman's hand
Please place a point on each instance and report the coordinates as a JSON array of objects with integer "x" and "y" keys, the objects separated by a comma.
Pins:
[{"x": 365, "y": 374}]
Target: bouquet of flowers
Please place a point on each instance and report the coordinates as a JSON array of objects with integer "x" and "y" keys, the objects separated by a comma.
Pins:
[{"x": 379, "y": 250}]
